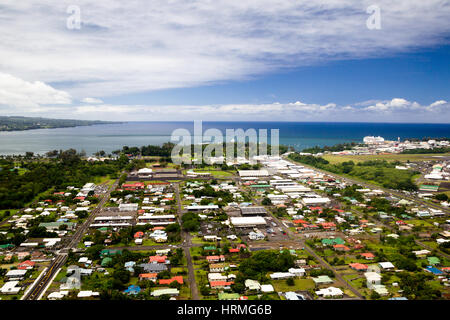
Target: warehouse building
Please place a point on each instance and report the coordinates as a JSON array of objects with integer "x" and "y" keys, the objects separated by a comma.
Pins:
[
  {"x": 253, "y": 211},
  {"x": 247, "y": 222}
]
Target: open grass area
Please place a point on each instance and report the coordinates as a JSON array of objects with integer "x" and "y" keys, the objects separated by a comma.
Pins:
[
  {"x": 388, "y": 157},
  {"x": 421, "y": 223},
  {"x": 300, "y": 285},
  {"x": 216, "y": 173},
  {"x": 104, "y": 179}
]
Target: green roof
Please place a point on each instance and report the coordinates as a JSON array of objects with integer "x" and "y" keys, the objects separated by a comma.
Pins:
[
  {"x": 6, "y": 246},
  {"x": 209, "y": 248},
  {"x": 228, "y": 296},
  {"x": 106, "y": 261},
  {"x": 428, "y": 187},
  {"x": 110, "y": 252},
  {"x": 330, "y": 242},
  {"x": 433, "y": 260}
]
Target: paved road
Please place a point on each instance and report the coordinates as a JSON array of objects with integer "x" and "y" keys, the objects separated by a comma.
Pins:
[
  {"x": 301, "y": 242},
  {"x": 39, "y": 286},
  {"x": 439, "y": 252},
  {"x": 372, "y": 186},
  {"x": 187, "y": 244},
  {"x": 399, "y": 194},
  {"x": 322, "y": 262}
]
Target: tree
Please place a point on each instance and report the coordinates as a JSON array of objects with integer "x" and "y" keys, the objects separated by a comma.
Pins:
[
  {"x": 375, "y": 295},
  {"x": 290, "y": 282},
  {"x": 204, "y": 290},
  {"x": 441, "y": 197}
]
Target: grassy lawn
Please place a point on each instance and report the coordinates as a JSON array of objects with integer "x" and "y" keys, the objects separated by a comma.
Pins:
[
  {"x": 300, "y": 285},
  {"x": 198, "y": 240},
  {"x": 422, "y": 223},
  {"x": 216, "y": 173},
  {"x": 388, "y": 157},
  {"x": 185, "y": 293},
  {"x": 104, "y": 179}
]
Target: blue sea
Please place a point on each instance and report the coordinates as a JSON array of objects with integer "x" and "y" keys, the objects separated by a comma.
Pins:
[{"x": 110, "y": 137}]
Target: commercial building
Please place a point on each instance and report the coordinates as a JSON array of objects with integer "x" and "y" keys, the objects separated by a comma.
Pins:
[
  {"x": 253, "y": 211},
  {"x": 246, "y": 222}
]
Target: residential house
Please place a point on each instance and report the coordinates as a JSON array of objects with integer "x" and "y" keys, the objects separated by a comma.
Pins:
[
  {"x": 216, "y": 267},
  {"x": 330, "y": 292}
]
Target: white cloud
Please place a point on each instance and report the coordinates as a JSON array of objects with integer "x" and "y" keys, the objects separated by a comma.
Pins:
[
  {"x": 92, "y": 100},
  {"x": 139, "y": 45},
  {"x": 438, "y": 103},
  {"x": 16, "y": 93},
  {"x": 21, "y": 97},
  {"x": 395, "y": 110}
]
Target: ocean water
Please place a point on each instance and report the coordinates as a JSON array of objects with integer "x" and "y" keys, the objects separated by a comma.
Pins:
[{"x": 111, "y": 137}]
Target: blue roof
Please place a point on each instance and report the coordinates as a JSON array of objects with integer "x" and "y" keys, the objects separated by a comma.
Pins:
[
  {"x": 434, "y": 270},
  {"x": 133, "y": 289},
  {"x": 398, "y": 298},
  {"x": 245, "y": 204}
]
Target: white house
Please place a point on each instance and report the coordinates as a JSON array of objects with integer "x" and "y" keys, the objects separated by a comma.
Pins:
[
  {"x": 10, "y": 287},
  {"x": 373, "y": 279},
  {"x": 330, "y": 292},
  {"x": 386, "y": 266},
  {"x": 252, "y": 285}
]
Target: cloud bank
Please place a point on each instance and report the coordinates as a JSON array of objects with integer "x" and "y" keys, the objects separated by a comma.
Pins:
[
  {"x": 132, "y": 46},
  {"x": 125, "y": 47}
]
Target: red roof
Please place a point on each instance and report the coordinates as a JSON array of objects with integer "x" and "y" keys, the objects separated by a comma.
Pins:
[
  {"x": 368, "y": 255},
  {"x": 336, "y": 246},
  {"x": 327, "y": 225},
  {"x": 159, "y": 259},
  {"x": 148, "y": 275},
  {"x": 234, "y": 250},
  {"x": 26, "y": 265},
  {"x": 79, "y": 198},
  {"x": 133, "y": 185},
  {"x": 178, "y": 279},
  {"x": 138, "y": 234},
  {"x": 298, "y": 221},
  {"x": 358, "y": 266},
  {"x": 220, "y": 283}
]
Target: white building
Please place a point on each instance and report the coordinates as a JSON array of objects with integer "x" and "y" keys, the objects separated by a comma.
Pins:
[
  {"x": 128, "y": 207},
  {"x": 245, "y": 222},
  {"x": 253, "y": 173},
  {"x": 332, "y": 292}
]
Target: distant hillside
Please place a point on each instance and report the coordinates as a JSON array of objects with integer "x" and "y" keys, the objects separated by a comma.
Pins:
[{"x": 28, "y": 123}]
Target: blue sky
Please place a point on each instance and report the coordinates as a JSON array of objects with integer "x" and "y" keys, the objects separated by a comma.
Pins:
[
  {"x": 420, "y": 76},
  {"x": 262, "y": 60}
]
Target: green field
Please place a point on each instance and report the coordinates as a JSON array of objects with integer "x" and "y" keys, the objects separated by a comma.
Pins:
[
  {"x": 300, "y": 285},
  {"x": 388, "y": 157}
]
